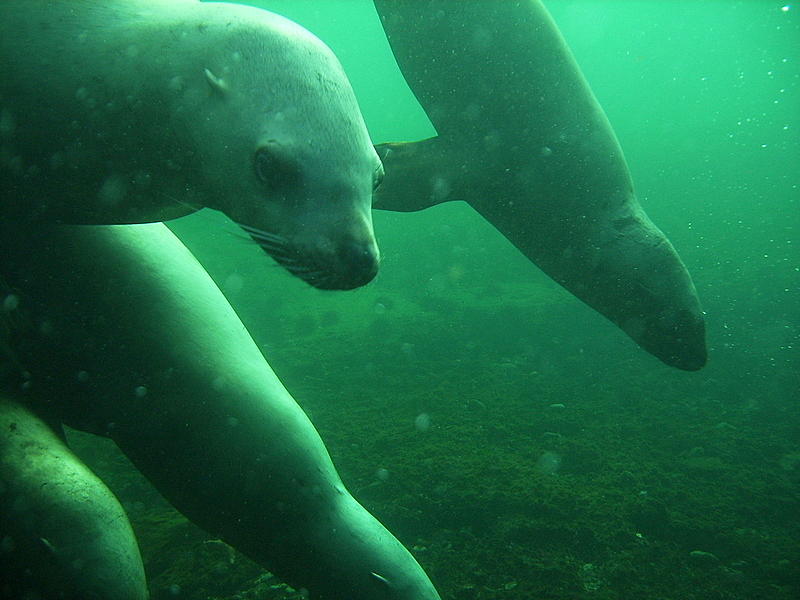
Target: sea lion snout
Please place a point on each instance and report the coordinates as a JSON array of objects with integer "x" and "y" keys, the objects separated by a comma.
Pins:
[
  {"x": 360, "y": 261},
  {"x": 676, "y": 337},
  {"x": 346, "y": 265}
]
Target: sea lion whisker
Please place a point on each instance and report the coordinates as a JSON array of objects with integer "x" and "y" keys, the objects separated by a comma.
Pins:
[
  {"x": 274, "y": 245},
  {"x": 265, "y": 240},
  {"x": 261, "y": 234},
  {"x": 282, "y": 258},
  {"x": 281, "y": 253},
  {"x": 303, "y": 271},
  {"x": 242, "y": 236},
  {"x": 273, "y": 248},
  {"x": 192, "y": 207},
  {"x": 317, "y": 278},
  {"x": 323, "y": 280}
]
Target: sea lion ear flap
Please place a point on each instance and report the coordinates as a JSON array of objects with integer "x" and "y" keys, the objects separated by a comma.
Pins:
[{"x": 218, "y": 85}]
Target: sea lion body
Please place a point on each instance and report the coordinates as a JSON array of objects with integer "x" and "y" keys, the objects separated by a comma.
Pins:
[
  {"x": 119, "y": 331},
  {"x": 524, "y": 141},
  {"x": 131, "y": 111}
]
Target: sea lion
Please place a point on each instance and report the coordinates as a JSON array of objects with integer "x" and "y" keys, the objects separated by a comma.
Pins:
[
  {"x": 64, "y": 533},
  {"x": 130, "y": 111},
  {"x": 523, "y": 140},
  {"x": 119, "y": 331}
]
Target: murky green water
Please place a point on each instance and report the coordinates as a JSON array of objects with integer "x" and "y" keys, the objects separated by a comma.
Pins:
[{"x": 556, "y": 459}]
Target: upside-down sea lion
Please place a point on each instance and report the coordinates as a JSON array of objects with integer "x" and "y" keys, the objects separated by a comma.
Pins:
[
  {"x": 119, "y": 331},
  {"x": 523, "y": 140},
  {"x": 130, "y": 111}
]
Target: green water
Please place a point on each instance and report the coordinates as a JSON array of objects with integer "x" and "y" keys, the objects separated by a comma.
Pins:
[{"x": 560, "y": 460}]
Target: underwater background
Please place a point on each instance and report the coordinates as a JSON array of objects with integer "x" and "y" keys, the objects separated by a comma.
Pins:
[{"x": 521, "y": 445}]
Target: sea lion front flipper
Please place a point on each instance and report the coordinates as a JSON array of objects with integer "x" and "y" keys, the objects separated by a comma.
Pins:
[
  {"x": 420, "y": 175},
  {"x": 64, "y": 533},
  {"x": 172, "y": 375},
  {"x": 523, "y": 140}
]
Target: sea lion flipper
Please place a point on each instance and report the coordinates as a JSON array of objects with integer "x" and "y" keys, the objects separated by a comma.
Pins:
[
  {"x": 416, "y": 176},
  {"x": 152, "y": 320},
  {"x": 65, "y": 534}
]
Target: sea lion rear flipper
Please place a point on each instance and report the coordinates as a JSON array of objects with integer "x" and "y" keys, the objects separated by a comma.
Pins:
[{"x": 523, "y": 140}]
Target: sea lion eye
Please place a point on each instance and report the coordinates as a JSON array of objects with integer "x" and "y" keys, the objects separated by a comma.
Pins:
[{"x": 274, "y": 170}]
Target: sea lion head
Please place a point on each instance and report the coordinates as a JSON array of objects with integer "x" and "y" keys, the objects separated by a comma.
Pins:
[{"x": 284, "y": 148}]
